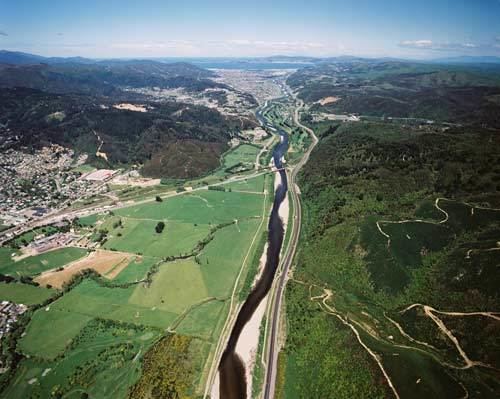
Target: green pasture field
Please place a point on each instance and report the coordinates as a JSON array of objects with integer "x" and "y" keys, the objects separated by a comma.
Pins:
[
  {"x": 175, "y": 287},
  {"x": 136, "y": 270},
  {"x": 24, "y": 293},
  {"x": 5, "y": 255},
  {"x": 244, "y": 153},
  {"x": 139, "y": 236},
  {"x": 201, "y": 319},
  {"x": 34, "y": 265},
  {"x": 91, "y": 299},
  {"x": 201, "y": 207},
  {"x": 51, "y": 331},
  {"x": 126, "y": 193},
  {"x": 104, "y": 361},
  {"x": 90, "y": 220},
  {"x": 253, "y": 184},
  {"x": 222, "y": 259},
  {"x": 189, "y": 295}
]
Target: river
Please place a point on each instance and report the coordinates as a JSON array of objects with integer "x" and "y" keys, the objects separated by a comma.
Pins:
[{"x": 233, "y": 384}]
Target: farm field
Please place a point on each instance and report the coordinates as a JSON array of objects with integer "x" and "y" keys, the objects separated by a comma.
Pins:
[
  {"x": 24, "y": 293},
  {"x": 136, "y": 270},
  {"x": 93, "y": 300},
  {"x": 139, "y": 236},
  {"x": 106, "y": 263},
  {"x": 104, "y": 361},
  {"x": 202, "y": 319},
  {"x": 244, "y": 154},
  {"x": 177, "y": 286},
  {"x": 188, "y": 296},
  {"x": 174, "y": 288},
  {"x": 50, "y": 331},
  {"x": 34, "y": 265},
  {"x": 201, "y": 207},
  {"x": 254, "y": 184},
  {"x": 89, "y": 220},
  {"x": 222, "y": 262}
]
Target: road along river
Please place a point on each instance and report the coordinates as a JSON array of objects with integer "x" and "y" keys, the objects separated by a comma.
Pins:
[{"x": 233, "y": 384}]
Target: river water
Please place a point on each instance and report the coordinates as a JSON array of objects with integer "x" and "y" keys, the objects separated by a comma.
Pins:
[{"x": 233, "y": 384}]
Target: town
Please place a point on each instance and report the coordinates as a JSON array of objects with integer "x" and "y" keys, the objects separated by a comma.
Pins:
[{"x": 34, "y": 184}]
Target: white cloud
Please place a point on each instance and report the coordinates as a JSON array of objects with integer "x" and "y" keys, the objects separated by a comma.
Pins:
[
  {"x": 416, "y": 43},
  {"x": 430, "y": 45},
  {"x": 222, "y": 47}
]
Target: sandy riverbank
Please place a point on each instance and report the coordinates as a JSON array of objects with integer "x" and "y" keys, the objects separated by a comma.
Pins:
[
  {"x": 248, "y": 343},
  {"x": 284, "y": 210}
]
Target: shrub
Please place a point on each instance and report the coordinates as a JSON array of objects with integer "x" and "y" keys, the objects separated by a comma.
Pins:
[{"x": 159, "y": 227}]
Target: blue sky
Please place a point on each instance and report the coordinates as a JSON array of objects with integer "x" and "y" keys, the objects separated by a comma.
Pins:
[{"x": 412, "y": 29}]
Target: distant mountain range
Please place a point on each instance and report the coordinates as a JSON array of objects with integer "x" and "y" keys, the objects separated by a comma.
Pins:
[
  {"x": 100, "y": 77},
  {"x": 20, "y": 58},
  {"x": 469, "y": 60}
]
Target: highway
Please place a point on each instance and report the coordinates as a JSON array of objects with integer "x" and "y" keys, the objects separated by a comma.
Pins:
[{"x": 272, "y": 337}]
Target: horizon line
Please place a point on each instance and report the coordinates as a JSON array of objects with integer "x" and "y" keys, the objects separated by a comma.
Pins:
[{"x": 253, "y": 57}]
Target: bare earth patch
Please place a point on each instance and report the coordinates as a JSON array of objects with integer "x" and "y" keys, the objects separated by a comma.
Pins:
[
  {"x": 131, "y": 107},
  {"x": 328, "y": 100},
  {"x": 107, "y": 263}
]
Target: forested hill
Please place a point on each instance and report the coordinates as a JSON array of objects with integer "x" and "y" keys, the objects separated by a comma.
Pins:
[
  {"x": 396, "y": 274},
  {"x": 75, "y": 102},
  {"x": 105, "y": 78},
  {"x": 467, "y": 94},
  {"x": 170, "y": 139}
]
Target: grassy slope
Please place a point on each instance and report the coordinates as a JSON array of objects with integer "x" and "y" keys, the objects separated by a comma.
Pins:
[
  {"x": 176, "y": 286},
  {"x": 201, "y": 207},
  {"x": 36, "y": 264},
  {"x": 93, "y": 300},
  {"x": 255, "y": 184},
  {"x": 50, "y": 331},
  {"x": 135, "y": 270},
  {"x": 139, "y": 236},
  {"x": 24, "y": 293},
  {"x": 104, "y": 361}
]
